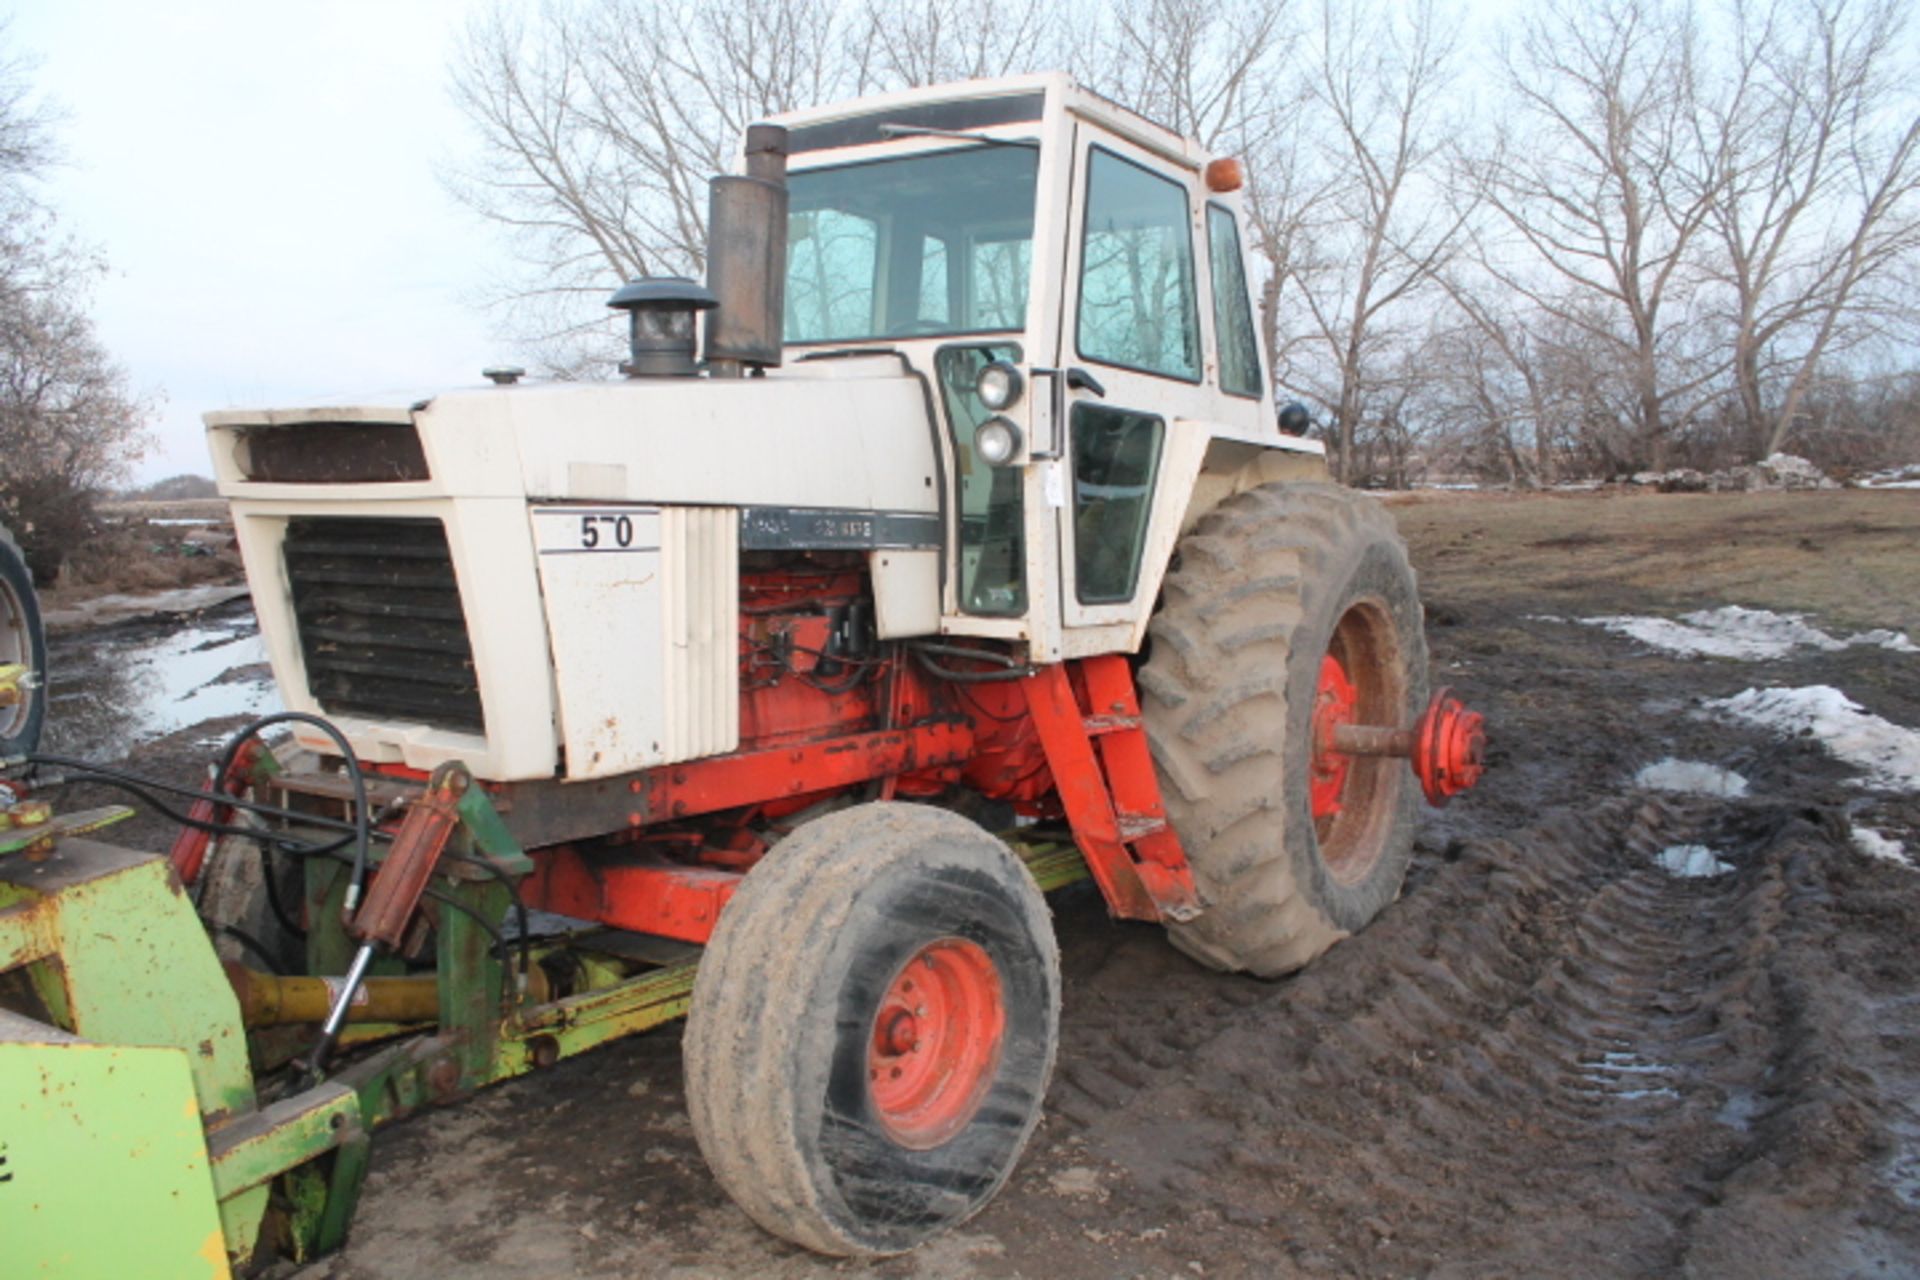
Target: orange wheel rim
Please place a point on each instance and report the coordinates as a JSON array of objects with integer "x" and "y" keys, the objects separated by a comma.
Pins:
[
  {"x": 934, "y": 1046},
  {"x": 1351, "y": 798}
]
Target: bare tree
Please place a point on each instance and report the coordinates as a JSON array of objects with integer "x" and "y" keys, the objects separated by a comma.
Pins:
[
  {"x": 599, "y": 124},
  {"x": 1212, "y": 70},
  {"x": 1381, "y": 225},
  {"x": 940, "y": 41},
  {"x": 1601, "y": 197},
  {"x": 598, "y": 127},
  {"x": 1491, "y": 374},
  {"x": 68, "y": 424},
  {"x": 1819, "y": 127}
]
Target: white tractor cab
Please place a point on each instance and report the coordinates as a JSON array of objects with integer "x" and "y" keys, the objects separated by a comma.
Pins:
[
  {"x": 1100, "y": 258},
  {"x": 1025, "y": 223}
]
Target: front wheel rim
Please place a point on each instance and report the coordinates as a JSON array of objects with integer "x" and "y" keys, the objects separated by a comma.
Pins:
[{"x": 934, "y": 1045}]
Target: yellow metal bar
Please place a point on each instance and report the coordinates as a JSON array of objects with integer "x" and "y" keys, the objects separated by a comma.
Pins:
[{"x": 267, "y": 1000}]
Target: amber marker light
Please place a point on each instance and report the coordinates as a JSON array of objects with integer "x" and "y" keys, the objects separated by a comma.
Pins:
[{"x": 1225, "y": 174}]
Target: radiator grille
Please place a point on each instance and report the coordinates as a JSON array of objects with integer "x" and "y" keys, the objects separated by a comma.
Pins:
[{"x": 381, "y": 627}]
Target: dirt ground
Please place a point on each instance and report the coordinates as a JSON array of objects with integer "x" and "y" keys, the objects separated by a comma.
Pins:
[{"x": 1550, "y": 1057}]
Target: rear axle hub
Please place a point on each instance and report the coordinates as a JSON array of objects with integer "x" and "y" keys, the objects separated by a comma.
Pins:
[{"x": 1446, "y": 746}]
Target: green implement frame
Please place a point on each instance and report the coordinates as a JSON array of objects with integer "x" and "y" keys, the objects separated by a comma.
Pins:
[{"x": 127, "y": 1078}]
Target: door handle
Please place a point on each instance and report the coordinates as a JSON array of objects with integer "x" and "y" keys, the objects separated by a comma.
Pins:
[
  {"x": 1062, "y": 380},
  {"x": 1080, "y": 380}
]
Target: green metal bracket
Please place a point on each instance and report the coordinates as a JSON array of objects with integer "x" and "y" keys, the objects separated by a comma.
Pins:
[
  {"x": 343, "y": 1192},
  {"x": 489, "y": 833},
  {"x": 256, "y": 1148},
  {"x": 472, "y": 979}
]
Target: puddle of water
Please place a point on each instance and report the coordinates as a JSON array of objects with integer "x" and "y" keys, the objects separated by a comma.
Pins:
[
  {"x": 113, "y": 689},
  {"x": 1740, "y": 1109},
  {"x": 1903, "y": 1170}
]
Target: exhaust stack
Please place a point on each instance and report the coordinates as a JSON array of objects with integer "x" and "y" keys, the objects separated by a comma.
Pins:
[{"x": 747, "y": 258}]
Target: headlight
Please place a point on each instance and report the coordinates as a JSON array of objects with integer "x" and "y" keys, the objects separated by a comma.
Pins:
[
  {"x": 997, "y": 441},
  {"x": 998, "y": 385}
]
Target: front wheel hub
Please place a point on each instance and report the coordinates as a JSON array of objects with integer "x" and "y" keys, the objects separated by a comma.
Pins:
[{"x": 935, "y": 1044}]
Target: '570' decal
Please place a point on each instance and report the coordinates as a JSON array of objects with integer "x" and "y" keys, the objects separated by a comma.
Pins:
[
  {"x": 564, "y": 530},
  {"x": 618, "y": 528}
]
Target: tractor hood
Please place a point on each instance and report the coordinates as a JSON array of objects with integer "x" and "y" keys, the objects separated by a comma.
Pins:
[{"x": 852, "y": 433}]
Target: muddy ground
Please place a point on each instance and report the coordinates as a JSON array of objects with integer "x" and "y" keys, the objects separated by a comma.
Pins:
[{"x": 1550, "y": 1057}]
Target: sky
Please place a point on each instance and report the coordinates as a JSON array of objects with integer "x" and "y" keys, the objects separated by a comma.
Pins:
[{"x": 261, "y": 178}]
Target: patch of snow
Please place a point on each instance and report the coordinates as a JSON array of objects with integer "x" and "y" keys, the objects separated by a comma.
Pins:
[
  {"x": 1615, "y": 1070},
  {"x": 1794, "y": 472},
  {"x": 1691, "y": 862},
  {"x": 1907, "y": 477},
  {"x": 1875, "y": 845},
  {"x": 1746, "y": 634},
  {"x": 1776, "y": 471},
  {"x": 1690, "y": 777},
  {"x": 1887, "y": 753}
]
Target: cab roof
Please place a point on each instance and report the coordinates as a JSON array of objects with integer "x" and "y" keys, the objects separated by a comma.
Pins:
[{"x": 969, "y": 105}]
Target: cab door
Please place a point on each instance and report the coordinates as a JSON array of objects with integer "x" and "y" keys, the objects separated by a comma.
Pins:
[{"x": 1131, "y": 340}]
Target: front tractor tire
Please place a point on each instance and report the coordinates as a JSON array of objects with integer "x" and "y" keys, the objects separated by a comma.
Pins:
[
  {"x": 1286, "y": 600},
  {"x": 872, "y": 1029}
]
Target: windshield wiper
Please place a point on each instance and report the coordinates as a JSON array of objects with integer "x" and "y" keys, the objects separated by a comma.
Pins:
[{"x": 921, "y": 131}]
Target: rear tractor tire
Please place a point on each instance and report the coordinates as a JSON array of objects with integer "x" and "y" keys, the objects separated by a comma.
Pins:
[
  {"x": 22, "y": 641},
  {"x": 1286, "y": 600},
  {"x": 872, "y": 1029}
]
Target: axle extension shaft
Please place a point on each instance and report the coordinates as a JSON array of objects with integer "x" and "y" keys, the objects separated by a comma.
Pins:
[{"x": 1446, "y": 745}]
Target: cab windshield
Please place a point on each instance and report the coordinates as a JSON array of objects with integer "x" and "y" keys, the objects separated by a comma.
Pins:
[{"x": 918, "y": 246}]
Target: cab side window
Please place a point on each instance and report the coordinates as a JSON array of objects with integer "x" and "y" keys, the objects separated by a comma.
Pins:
[
  {"x": 1232, "y": 309},
  {"x": 1137, "y": 301}
]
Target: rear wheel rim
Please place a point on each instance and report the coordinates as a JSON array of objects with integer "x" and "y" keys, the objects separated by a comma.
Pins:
[
  {"x": 1353, "y": 798},
  {"x": 934, "y": 1046}
]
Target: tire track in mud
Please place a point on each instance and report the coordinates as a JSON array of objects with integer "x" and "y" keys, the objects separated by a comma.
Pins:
[{"x": 1549, "y": 1055}]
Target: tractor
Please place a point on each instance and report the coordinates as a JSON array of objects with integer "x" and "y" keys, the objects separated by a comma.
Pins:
[{"x": 943, "y": 547}]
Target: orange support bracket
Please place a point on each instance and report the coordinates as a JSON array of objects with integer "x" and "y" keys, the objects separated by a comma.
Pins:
[
  {"x": 630, "y": 891},
  {"x": 1104, "y": 772}
]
